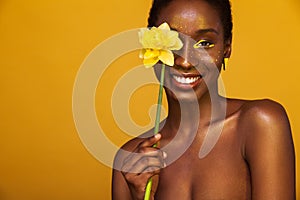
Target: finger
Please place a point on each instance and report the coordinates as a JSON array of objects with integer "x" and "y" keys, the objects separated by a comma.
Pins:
[
  {"x": 145, "y": 151},
  {"x": 150, "y": 141},
  {"x": 143, "y": 165},
  {"x": 143, "y": 159},
  {"x": 150, "y": 171}
]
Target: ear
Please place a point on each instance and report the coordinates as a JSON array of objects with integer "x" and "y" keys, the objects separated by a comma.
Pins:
[{"x": 227, "y": 48}]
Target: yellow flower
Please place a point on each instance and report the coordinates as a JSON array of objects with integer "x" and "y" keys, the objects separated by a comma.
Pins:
[{"x": 158, "y": 43}]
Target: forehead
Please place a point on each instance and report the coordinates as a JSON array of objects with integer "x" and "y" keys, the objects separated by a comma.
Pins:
[{"x": 190, "y": 16}]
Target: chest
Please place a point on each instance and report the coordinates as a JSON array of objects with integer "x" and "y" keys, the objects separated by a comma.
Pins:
[{"x": 222, "y": 174}]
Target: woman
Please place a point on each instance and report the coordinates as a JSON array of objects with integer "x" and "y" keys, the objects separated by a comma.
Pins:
[{"x": 253, "y": 157}]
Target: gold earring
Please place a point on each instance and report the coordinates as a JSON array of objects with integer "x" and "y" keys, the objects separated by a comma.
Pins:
[{"x": 225, "y": 63}]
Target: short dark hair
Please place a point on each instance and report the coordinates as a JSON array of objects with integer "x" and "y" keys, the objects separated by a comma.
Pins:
[{"x": 222, "y": 6}]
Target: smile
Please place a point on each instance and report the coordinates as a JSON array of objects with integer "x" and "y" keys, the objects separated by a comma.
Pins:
[{"x": 186, "y": 80}]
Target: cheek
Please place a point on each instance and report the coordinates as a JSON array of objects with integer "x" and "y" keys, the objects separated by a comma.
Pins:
[
  {"x": 212, "y": 59},
  {"x": 217, "y": 57},
  {"x": 211, "y": 62}
]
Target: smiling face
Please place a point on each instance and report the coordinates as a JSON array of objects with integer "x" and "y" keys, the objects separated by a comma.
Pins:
[{"x": 198, "y": 63}]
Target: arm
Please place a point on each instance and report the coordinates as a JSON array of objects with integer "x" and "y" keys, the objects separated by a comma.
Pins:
[
  {"x": 120, "y": 188},
  {"x": 269, "y": 151}
]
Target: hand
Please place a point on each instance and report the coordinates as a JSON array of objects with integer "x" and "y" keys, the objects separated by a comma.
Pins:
[{"x": 142, "y": 164}]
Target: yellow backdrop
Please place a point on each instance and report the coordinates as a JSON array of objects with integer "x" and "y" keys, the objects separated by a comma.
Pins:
[{"x": 42, "y": 45}]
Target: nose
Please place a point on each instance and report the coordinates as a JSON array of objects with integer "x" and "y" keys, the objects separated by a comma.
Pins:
[
  {"x": 181, "y": 61},
  {"x": 184, "y": 57}
]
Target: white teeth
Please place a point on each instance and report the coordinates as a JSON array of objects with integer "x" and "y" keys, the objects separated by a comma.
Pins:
[{"x": 184, "y": 80}]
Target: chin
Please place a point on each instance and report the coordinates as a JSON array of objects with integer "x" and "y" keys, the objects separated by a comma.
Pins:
[{"x": 185, "y": 96}]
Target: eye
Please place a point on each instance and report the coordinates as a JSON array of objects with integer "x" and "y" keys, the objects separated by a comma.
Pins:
[{"x": 204, "y": 44}]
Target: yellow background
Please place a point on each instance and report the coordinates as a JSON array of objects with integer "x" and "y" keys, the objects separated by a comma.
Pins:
[{"x": 42, "y": 45}]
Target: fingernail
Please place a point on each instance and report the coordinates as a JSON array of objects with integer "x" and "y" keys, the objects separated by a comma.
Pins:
[
  {"x": 157, "y": 135},
  {"x": 165, "y": 165},
  {"x": 165, "y": 155}
]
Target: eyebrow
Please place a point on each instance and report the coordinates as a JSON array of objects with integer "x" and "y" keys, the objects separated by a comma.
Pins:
[
  {"x": 208, "y": 30},
  {"x": 202, "y": 31}
]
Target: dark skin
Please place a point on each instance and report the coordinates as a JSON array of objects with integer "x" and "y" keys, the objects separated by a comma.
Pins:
[{"x": 252, "y": 159}]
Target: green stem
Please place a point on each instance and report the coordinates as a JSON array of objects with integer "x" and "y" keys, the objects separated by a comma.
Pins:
[{"x": 157, "y": 121}]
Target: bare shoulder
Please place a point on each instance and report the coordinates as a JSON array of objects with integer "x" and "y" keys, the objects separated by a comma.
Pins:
[
  {"x": 258, "y": 117},
  {"x": 264, "y": 123},
  {"x": 263, "y": 113}
]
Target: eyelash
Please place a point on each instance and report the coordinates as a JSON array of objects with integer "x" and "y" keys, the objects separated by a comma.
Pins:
[{"x": 203, "y": 44}]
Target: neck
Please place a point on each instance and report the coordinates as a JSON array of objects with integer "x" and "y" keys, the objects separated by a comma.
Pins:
[{"x": 188, "y": 116}]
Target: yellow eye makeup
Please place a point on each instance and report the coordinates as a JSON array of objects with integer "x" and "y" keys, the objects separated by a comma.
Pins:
[{"x": 203, "y": 44}]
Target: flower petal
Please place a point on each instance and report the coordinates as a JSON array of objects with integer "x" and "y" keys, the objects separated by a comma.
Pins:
[
  {"x": 151, "y": 53},
  {"x": 141, "y": 34},
  {"x": 167, "y": 57},
  {"x": 150, "y": 62},
  {"x": 164, "y": 26},
  {"x": 141, "y": 54},
  {"x": 178, "y": 45}
]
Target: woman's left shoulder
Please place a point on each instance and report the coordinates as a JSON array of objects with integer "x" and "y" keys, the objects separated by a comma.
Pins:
[
  {"x": 259, "y": 118},
  {"x": 262, "y": 111}
]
